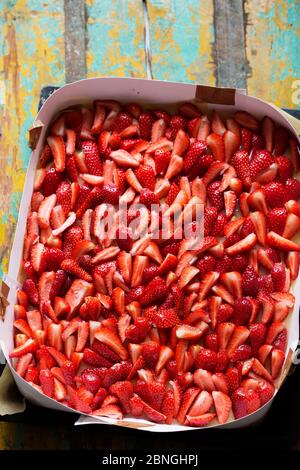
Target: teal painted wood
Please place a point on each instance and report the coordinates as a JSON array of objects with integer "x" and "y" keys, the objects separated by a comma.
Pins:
[
  {"x": 115, "y": 32},
  {"x": 32, "y": 55},
  {"x": 182, "y": 36}
]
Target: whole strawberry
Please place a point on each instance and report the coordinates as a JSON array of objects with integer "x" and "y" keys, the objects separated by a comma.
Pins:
[
  {"x": 215, "y": 196},
  {"x": 146, "y": 176},
  {"x": 146, "y": 121},
  {"x": 250, "y": 281},
  {"x": 155, "y": 291},
  {"x": 92, "y": 157}
]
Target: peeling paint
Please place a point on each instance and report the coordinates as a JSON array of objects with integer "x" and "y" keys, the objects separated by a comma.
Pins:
[
  {"x": 31, "y": 56},
  {"x": 273, "y": 35},
  {"x": 115, "y": 31},
  {"x": 182, "y": 37}
]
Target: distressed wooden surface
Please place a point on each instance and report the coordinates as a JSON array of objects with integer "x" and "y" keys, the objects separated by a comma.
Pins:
[
  {"x": 32, "y": 55},
  {"x": 272, "y": 48},
  {"x": 181, "y": 39},
  {"x": 43, "y": 42},
  {"x": 115, "y": 38}
]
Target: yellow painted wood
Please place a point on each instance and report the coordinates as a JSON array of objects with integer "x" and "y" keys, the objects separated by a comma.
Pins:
[
  {"x": 115, "y": 31},
  {"x": 32, "y": 56},
  {"x": 182, "y": 37},
  {"x": 272, "y": 48}
]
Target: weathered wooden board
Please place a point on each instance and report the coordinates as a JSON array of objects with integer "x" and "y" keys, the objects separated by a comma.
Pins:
[
  {"x": 182, "y": 37},
  {"x": 272, "y": 49},
  {"x": 115, "y": 38},
  {"x": 32, "y": 55}
]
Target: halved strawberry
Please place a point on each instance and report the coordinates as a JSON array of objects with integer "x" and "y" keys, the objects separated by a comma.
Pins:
[
  {"x": 57, "y": 145},
  {"x": 222, "y": 404},
  {"x": 216, "y": 143}
]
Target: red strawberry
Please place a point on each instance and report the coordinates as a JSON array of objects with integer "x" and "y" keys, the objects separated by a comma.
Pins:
[
  {"x": 285, "y": 168},
  {"x": 242, "y": 311},
  {"x": 206, "y": 264},
  {"x": 90, "y": 379},
  {"x": 210, "y": 215},
  {"x": 250, "y": 281},
  {"x": 257, "y": 335},
  {"x": 137, "y": 332},
  {"x": 224, "y": 313},
  {"x": 246, "y": 137},
  {"x": 122, "y": 121},
  {"x": 215, "y": 197},
  {"x": 276, "y": 219},
  {"x": 148, "y": 198},
  {"x": 124, "y": 391},
  {"x": 172, "y": 248},
  {"x": 216, "y": 144},
  {"x": 278, "y": 273},
  {"x": 47, "y": 382},
  {"x": 51, "y": 181},
  {"x": 173, "y": 191},
  {"x": 281, "y": 138},
  {"x": 150, "y": 354},
  {"x": 239, "y": 262},
  {"x": 177, "y": 122},
  {"x": 246, "y": 119},
  {"x": 168, "y": 406},
  {"x": 155, "y": 291},
  {"x": 223, "y": 264},
  {"x": 105, "y": 351},
  {"x": 233, "y": 378},
  {"x": 161, "y": 114},
  {"x": 29, "y": 287},
  {"x": 72, "y": 267},
  {"x": 58, "y": 285},
  {"x": 292, "y": 189},
  {"x": 152, "y": 393},
  {"x": 92, "y": 157},
  {"x": 110, "y": 194},
  {"x": 206, "y": 359},
  {"x": 219, "y": 223},
  {"x": 58, "y": 150},
  {"x": 64, "y": 196},
  {"x": 46, "y": 156},
  {"x": 274, "y": 193},
  {"x": 146, "y": 121},
  {"x": 244, "y": 402},
  {"x": 118, "y": 372},
  {"x": 281, "y": 340},
  {"x": 261, "y": 160},
  {"x": 242, "y": 353},
  {"x": 164, "y": 318},
  {"x": 265, "y": 391},
  {"x": 222, "y": 404},
  {"x": 258, "y": 142},
  {"x": 162, "y": 159},
  {"x": 192, "y": 156},
  {"x": 146, "y": 177},
  {"x": 201, "y": 165},
  {"x": 53, "y": 258},
  {"x": 241, "y": 163}
]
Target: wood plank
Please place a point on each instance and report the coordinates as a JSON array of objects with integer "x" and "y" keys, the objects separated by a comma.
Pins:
[
  {"x": 272, "y": 48},
  {"x": 230, "y": 44},
  {"x": 74, "y": 40},
  {"x": 32, "y": 48},
  {"x": 115, "y": 34},
  {"x": 182, "y": 37},
  {"x": 20, "y": 436}
]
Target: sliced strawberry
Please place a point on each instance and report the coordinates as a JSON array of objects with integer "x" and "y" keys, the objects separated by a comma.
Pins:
[
  {"x": 216, "y": 143},
  {"x": 222, "y": 404},
  {"x": 277, "y": 241},
  {"x": 246, "y": 120},
  {"x": 57, "y": 145}
]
